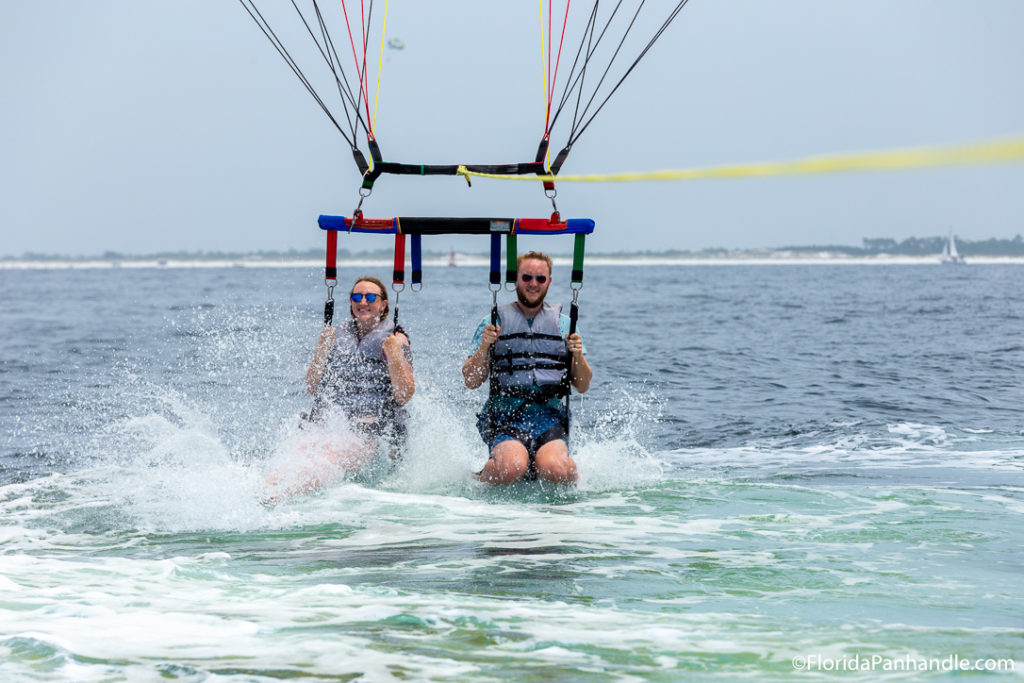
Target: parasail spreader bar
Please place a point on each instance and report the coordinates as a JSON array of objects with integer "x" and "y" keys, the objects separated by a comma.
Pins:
[{"x": 458, "y": 226}]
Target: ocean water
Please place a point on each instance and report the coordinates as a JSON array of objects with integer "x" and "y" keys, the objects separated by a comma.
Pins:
[{"x": 786, "y": 471}]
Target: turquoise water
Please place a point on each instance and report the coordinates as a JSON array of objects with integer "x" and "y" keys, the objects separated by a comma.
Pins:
[{"x": 785, "y": 472}]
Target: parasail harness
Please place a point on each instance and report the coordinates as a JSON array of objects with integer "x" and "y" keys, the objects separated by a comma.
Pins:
[
  {"x": 510, "y": 228},
  {"x": 577, "y": 97}
]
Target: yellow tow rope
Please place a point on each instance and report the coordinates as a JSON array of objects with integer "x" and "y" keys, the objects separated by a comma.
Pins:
[
  {"x": 380, "y": 66},
  {"x": 986, "y": 152}
]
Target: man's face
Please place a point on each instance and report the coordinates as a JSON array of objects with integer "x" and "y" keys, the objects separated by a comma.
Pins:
[{"x": 529, "y": 288}]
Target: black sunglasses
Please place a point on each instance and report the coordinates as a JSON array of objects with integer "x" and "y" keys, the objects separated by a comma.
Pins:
[
  {"x": 541, "y": 279},
  {"x": 358, "y": 296}
]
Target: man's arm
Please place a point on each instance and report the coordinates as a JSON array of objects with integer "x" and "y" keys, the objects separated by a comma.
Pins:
[
  {"x": 581, "y": 370},
  {"x": 477, "y": 367}
]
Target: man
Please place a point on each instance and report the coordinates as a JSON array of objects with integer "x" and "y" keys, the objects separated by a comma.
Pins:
[{"x": 531, "y": 360}]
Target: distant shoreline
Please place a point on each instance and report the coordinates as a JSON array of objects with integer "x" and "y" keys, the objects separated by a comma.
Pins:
[{"x": 750, "y": 258}]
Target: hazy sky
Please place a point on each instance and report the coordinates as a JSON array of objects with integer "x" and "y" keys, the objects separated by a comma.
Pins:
[{"x": 173, "y": 125}]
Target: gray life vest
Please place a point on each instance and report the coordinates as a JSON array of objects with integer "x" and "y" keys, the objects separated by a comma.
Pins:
[
  {"x": 530, "y": 361},
  {"x": 356, "y": 376}
]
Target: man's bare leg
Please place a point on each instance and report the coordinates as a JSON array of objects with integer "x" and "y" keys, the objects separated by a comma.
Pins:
[
  {"x": 509, "y": 461},
  {"x": 554, "y": 464}
]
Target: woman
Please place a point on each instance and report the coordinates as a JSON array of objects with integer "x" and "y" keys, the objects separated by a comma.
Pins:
[{"x": 361, "y": 377}]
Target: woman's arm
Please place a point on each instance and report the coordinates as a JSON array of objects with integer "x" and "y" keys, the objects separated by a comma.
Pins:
[
  {"x": 399, "y": 360},
  {"x": 316, "y": 368}
]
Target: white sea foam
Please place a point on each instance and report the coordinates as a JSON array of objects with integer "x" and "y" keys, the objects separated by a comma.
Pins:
[
  {"x": 910, "y": 446},
  {"x": 833, "y": 536}
]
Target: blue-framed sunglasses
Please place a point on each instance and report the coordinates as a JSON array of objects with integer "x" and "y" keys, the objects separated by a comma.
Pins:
[{"x": 358, "y": 296}]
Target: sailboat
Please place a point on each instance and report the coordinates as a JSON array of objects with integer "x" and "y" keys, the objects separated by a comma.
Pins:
[{"x": 949, "y": 253}]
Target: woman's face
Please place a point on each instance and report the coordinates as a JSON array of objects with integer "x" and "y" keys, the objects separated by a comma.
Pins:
[{"x": 364, "y": 310}]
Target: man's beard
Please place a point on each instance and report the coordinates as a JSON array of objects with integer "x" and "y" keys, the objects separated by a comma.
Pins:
[{"x": 525, "y": 302}]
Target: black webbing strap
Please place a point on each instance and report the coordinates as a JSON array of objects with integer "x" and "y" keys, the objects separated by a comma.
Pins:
[
  {"x": 574, "y": 315},
  {"x": 328, "y": 312},
  {"x": 542, "y": 151},
  {"x": 374, "y": 149},
  {"x": 494, "y": 284},
  {"x": 557, "y": 358},
  {"x": 396, "y": 168},
  {"x": 576, "y": 283},
  {"x": 534, "y": 335},
  {"x": 360, "y": 160},
  {"x": 560, "y": 159}
]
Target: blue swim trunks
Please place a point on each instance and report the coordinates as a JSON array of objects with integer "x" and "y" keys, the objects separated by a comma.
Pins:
[{"x": 533, "y": 427}]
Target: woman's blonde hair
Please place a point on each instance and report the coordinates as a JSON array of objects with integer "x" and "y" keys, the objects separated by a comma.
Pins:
[{"x": 379, "y": 285}]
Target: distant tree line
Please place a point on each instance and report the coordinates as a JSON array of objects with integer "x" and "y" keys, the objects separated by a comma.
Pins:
[
  {"x": 926, "y": 246},
  {"x": 934, "y": 245}
]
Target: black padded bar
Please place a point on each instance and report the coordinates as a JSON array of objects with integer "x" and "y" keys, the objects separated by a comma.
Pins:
[
  {"x": 394, "y": 168},
  {"x": 455, "y": 226}
]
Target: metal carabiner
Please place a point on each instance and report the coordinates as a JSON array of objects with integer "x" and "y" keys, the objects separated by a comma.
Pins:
[
  {"x": 551, "y": 194},
  {"x": 358, "y": 213}
]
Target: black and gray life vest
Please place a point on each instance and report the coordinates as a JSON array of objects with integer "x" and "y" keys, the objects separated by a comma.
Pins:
[
  {"x": 530, "y": 361},
  {"x": 356, "y": 376}
]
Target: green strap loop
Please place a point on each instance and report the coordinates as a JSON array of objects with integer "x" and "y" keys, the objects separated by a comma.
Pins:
[
  {"x": 577, "y": 258},
  {"x": 511, "y": 258}
]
